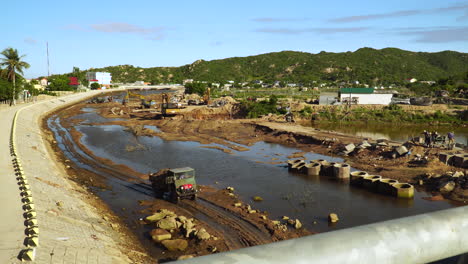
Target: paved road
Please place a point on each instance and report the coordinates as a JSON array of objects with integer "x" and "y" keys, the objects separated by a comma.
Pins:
[
  {"x": 71, "y": 230},
  {"x": 11, "y": 213}
]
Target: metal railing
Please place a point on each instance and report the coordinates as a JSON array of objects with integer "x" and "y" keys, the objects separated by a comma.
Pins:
[{"x": 416, "y": 239}]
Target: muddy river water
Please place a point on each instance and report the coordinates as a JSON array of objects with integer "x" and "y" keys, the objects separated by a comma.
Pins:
[{"x": 297, "y": 196}]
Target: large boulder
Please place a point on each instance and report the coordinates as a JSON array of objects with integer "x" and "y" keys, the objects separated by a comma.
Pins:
[
  {"x": 159, "y": 215},
  {"x": 175, "y": 244},
  {"x": 297, "y": 224},
  {"x": 446, "y": 187},
  {"x": 159, "y": 235},
  {"x": 168, "y": 223},
  {"x": 401, "y": 150},
  {"x": 202, "y": 234}
]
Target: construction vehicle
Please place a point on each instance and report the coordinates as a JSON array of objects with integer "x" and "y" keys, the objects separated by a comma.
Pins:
[
  {"x": 174, "y": 184},
  {"x": 144, "y": 102},
  {"x": 207, "y": 96},
  {"x": 169, "y": 108}
]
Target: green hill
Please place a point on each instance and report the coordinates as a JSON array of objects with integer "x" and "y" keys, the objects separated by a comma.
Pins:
[{"x": 385, "y": 66}]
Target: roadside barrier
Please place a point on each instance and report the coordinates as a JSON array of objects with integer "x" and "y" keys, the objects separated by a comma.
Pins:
[{"x": 28, "y": 253}]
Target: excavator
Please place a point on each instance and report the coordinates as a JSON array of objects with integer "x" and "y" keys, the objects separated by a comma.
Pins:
[
  {"x": 168, "y": 108},
  {"x": 144, "y": 103}
]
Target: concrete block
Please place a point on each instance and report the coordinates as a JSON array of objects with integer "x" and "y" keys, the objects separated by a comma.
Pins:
[
  {"x": 384, "y": 186},
  {"x": 403, "y": 190},
  {"x": 313, "y": 169},
  {"x": 341, "y": 171},
  {"x": 357, "y": 178},
  {"x": 32, "y": 241},
  {"x": 28, "y": 254},
  {"x": 370, "y": 182},
  {"x": 401, "y": 150},
  {"x": 34, "y": 230},
  {"x": 350, "y": 147},
  {"x": 446, "y": 157}
]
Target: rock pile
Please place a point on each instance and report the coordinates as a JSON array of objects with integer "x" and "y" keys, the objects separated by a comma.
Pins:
[{"x": 167, "y": 224}]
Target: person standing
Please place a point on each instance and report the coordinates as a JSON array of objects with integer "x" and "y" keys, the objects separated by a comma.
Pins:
[{"x": 451, "y": 139}]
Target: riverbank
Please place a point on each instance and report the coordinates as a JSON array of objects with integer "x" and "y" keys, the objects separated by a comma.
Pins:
[
  {"x": 74, "y": 225},
  {"x": 214, "y": 126}
]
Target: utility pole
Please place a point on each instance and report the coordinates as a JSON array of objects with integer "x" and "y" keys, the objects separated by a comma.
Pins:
[{"x": 48, "y": 67}]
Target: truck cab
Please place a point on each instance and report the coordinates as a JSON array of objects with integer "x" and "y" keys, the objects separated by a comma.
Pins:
[{"x": 175, "y": 184}]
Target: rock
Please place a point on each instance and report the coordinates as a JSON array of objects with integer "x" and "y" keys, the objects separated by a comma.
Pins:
[
  {"x": 285, "y": 217},
  {"x": 159, "y": 235},
  {"x": 59, "y": 203},
  {"x": 297, "y": 224},
  {"x": 333, "y": 218},
  {"x": 350, "y": 147},
  {"x": 401, "y": 150},
  {"x": 382, "y": 144},
  {"x": 230, "y": 189},
  {"x": 202, "y": 234},
  {"x": 421, "y": 182},
  {"x": 252, "y": 211},
  {"x": 291, "y": 222},
  {"x": 365, "y": 144},
  {"x": 446, "y": 187},
  {"x": 159, "y": 215},
  {"x": 184, "y": 257},
  {"x": 212, "y": 249},
  {"x": 257, "y": 198},
  {"x": 458, "y": 174},
  {"x": 237, "y": 204},
  {"x": 167, "y": 223},
  {"x": 263, "y": 217},
  {"x": 231, "y": 194},
  {"x": 276, "y": 222},
  {"x": 175, "y": 244},
  {"x": 248, "y": 207}
]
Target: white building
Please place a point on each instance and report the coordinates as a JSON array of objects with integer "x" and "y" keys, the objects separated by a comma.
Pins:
[
  {"x": 103, "y": 78},
  {"x": 364, "y": 96}
]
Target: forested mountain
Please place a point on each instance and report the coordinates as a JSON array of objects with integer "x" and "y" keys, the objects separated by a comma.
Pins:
[{"x": 366, "y": 65}]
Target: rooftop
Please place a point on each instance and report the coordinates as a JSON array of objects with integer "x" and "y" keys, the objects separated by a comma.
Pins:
[{"x": 357, "y": 90}]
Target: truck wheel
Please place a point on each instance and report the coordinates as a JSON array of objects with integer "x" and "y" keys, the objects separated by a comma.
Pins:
[{"x": 194, "y": 197}]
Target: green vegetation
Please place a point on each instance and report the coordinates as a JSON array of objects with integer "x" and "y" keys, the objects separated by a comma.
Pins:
[
  {"x": 195, "y": 88},
  {"x": 366, "y": 65},
  {"x": 95, "y": 86},
  {"x": 253, "y": 109},
  {"x": 14, "y": 66},
  {"x": 392, "y": 113},
  {"x": 59, "y": 83}
]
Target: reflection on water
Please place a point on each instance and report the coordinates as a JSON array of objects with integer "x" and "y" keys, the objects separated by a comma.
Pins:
[{"x": 394, "y": 132}]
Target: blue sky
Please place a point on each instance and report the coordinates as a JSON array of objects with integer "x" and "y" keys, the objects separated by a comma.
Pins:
[{"x": 173, "y": 33}]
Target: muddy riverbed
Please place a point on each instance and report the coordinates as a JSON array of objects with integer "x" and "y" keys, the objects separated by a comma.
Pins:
[{"x": 114, "y": 162}]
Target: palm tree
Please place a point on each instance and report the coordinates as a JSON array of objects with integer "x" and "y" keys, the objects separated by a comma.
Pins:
[{"x": 14, "y": 64}]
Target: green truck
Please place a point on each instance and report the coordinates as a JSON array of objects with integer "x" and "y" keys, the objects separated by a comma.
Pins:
[{"x": 174, "y": 184}]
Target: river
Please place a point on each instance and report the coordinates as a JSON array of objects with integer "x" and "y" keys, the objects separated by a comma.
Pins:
[{"x": 297, "y": 196}]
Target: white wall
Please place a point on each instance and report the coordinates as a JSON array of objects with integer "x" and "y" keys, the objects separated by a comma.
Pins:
[{"x": 383, "y": 99}]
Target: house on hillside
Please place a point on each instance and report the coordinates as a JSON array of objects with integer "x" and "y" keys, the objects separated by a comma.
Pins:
[
  {"x": 363, "y": 96},
  {"x": 103, "y": 78},
  {"x": 44, "y": 82}
]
